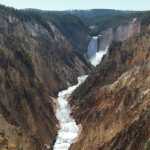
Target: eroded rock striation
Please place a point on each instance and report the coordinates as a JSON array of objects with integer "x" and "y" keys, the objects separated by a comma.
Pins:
[
  {"x": 121, "y": 33},
  {"x": 113, "y": 104},
  {"x": 36, "y": 62},
  {"x": 42, "y": 53}
]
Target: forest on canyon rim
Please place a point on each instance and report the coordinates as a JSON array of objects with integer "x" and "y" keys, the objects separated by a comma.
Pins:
[{"x": 42, "y": 54}]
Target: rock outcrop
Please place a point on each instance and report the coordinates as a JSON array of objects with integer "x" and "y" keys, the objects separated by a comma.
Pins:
[
  {"x": 42, "y": 53},
  {"x": 99, "y": 44},
  {"x": 113, "y": 104},
  {"x": 36, "y": 61},
  {"x": 118, "y": 34}
]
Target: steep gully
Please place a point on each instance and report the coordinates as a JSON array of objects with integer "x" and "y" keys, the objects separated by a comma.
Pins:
[{"x": 69, "y": 130}]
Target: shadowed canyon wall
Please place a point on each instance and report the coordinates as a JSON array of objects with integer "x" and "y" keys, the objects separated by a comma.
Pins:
[
  {"x": 36, "y": 61},
  {"x": 113, "y": 104},
  {"x": 42, "y": 53}
]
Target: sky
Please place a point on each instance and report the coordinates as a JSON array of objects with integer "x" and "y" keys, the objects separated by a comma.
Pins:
[{"x": 79, "y": 4}]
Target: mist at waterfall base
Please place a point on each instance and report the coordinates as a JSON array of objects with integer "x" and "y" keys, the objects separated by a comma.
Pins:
[
  {"x": 96, "y": 59},
  {"x": 95, "y": 56},
  {"x": 69, "y": 130}
]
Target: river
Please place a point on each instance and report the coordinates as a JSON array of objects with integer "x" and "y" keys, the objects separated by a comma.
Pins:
[{"x": 69, "y": 130}]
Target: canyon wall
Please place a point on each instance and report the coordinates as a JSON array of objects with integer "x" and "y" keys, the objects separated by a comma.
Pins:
[
  {"x": 36, "y": 61},
  {"x": 118, "y": 34},
  {"x": 41, "y": 53},
  {"x": 99, "y": 44},
  {"x": 114, "y": 102}
]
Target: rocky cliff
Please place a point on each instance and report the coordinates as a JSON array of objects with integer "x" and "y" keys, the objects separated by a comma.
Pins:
[
  {"x": 118, "y": 34},
  {"x": 99, "y": 44},
  {"x": 42, "y": 52},
  {"x": 113, "y": 104},
  {"x": 36, "y": 61}
]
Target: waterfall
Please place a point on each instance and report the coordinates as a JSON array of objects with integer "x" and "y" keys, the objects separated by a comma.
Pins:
[
  {"x": 69, "y": 130},
  {"x": 96, "y": 59},
  {"x": 92, "y": 47},
  {"x": 95, "y": 54}
]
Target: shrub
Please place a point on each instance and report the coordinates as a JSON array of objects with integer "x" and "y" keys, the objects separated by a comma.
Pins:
[
  {"x": 25, "y": 57},
  {"x": 147, "y": 145},
  {"x": 2, "y": 52}
]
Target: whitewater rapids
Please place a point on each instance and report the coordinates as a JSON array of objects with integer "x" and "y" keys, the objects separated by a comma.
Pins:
[{"x": 69, "y": 130}]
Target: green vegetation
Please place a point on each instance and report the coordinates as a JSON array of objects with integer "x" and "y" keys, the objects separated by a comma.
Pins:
[
  {"x": 147, "y": 145},
  {"x": 6, "y": 10},
  {"x": 72, "y": 23},
  {"x": 25, "y": 57},
  {"x": 2, "y": 52},
  {"x": 101, "y": 18}
]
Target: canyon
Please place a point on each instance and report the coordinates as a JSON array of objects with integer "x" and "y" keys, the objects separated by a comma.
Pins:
[
  {"x": 113, "y": 103},
  {"x": 36, "y": 62},
  {"x": 42, "y": 53}
]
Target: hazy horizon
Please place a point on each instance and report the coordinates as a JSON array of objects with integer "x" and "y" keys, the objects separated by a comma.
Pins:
[{"x": 60, "y": 5}]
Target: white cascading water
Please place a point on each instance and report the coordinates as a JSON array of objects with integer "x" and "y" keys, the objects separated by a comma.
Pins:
[
  {"x": 96, "y": 59},
  {"x": 95, "y": 55},
  {"x": 92, "y": 47},
  {"x": 69, "y": 130}
]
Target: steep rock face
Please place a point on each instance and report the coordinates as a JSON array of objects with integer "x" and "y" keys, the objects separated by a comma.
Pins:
[
  {"x": 118, "y": 116},
  {"x": 71, "y": 26},
  {"x": 99, "y": 44},
  {"x": 113, "y": 104},
  {"x": 75, "y": 31},
  {"x": 99, "y": 20},
  {"x": 120, "y": 33},
  {"x": 27, "y": 117},
  {"x": 36, "y": 61},
  {"x": 120, "y": 57}
]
